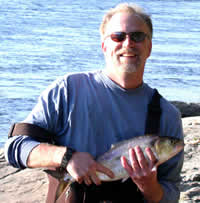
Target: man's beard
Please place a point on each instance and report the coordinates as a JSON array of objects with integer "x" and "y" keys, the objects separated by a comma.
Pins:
[
  {"x": 128, "y": 67},
  {"x": 124, "y": 66}
]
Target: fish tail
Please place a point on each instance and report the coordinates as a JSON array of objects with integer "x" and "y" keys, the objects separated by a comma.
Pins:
[
  {"x": 63, "y": 187},
  {"x": 54, "y": 173}
]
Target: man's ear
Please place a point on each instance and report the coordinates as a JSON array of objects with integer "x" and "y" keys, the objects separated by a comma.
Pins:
[
  {"x": 150, "y": 48},
  {"x": 103, "y": 47}
]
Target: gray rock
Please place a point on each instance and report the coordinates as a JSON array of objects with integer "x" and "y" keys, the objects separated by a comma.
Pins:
[
  {"x": 187, "y": 109},
  {"x": 190, "y": 185},
  {"x": 21, "y": 186}
]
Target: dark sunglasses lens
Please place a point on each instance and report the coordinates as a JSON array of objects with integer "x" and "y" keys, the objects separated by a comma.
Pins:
[
  {"x": 137, "y": 36},
  {"x": 118, "y": 36}
]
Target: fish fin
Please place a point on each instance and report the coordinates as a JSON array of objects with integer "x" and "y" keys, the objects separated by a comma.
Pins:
[
  {"x": 119, "y": 143},
  {"x": 62, "y": 187},
  {"x": 112, "y": 146},
  {"x": 124, "y": 179},
  {"x": 115, "y": 145}
]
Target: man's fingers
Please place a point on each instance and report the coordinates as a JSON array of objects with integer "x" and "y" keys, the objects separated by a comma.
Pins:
[
  {"x": 151, "y": 156},
  {"x": 126, "y": 165},
  {"x": 95, "y": 179},
  {"x": 134, "y": 160},
  {"x": 87, "y": 180},
  {"x": 103, "y": 169},
  {"x": 92, "y": 177},
  {"x": 79, "y": 179}
]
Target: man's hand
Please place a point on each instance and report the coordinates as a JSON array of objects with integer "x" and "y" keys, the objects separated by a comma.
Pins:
[
  {"x": 143, "y": 172},
  {"x": 82, "y": 167}
]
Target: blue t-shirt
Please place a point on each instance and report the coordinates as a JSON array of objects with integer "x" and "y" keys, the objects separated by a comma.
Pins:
[{"x": 89, "y": 112}]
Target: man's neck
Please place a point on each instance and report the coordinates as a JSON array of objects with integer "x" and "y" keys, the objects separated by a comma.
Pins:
[{"x": 126, "y": 80}]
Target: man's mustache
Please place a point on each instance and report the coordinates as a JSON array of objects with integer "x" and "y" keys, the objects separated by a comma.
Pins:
[{"x": 127, "y": 51}]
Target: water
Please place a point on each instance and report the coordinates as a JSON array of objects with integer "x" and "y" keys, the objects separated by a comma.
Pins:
[{"x": 42, "y": 40}]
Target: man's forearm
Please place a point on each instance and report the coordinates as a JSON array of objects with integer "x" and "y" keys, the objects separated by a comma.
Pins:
[
  {"x": 45, "y": 155},
  {"x": 154, "y": 193}
]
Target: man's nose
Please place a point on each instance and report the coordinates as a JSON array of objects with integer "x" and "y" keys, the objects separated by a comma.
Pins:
[{"x": 128, "y": 42}]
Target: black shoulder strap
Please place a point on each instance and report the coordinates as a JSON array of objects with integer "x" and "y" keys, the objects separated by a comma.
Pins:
[
  {"x": 153, "y": 115},
  {"x": 31, "y": 130}
]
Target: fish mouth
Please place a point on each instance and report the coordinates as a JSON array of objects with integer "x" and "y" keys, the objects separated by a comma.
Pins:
[{"x": 180, "y": 147}]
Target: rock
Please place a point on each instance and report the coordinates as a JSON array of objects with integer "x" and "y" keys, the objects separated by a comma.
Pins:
[
  {"x": 187, "y": 109},
  {"x": 21, "y": 186},
  {"x": 31, "y": 185},
  {"x": 190, "y": 185}
]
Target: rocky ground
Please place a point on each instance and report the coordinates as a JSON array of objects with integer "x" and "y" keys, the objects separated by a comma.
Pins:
[
  {"x": 190, "y": 185},
  {"x": 30, "y": 185}
]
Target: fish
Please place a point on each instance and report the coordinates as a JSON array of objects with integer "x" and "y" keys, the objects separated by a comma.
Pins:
[{"x": 164, "y": 148}]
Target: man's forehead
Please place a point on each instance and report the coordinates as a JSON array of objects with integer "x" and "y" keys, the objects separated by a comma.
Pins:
[{"x": 122, "y": 20}]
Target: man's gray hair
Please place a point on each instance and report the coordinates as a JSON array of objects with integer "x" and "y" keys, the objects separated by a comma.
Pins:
[{"x": 128, "y": 8}]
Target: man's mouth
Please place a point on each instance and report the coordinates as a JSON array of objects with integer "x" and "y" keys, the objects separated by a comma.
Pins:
[{"x": 128, "y": 55}]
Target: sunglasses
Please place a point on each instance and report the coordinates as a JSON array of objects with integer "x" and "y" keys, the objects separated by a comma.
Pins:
[{"x": 134, "y": 36}]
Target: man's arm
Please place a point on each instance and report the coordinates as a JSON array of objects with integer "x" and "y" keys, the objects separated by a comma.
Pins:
[
  {"x": 30, "y": 153},
  {"x": 45, "y": 155}
]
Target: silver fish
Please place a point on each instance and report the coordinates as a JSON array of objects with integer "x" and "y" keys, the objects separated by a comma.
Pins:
[{"x": 163, "y": 148}]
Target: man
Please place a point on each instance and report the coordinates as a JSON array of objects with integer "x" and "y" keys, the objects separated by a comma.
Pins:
[{"x": 88, "y": 112}]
